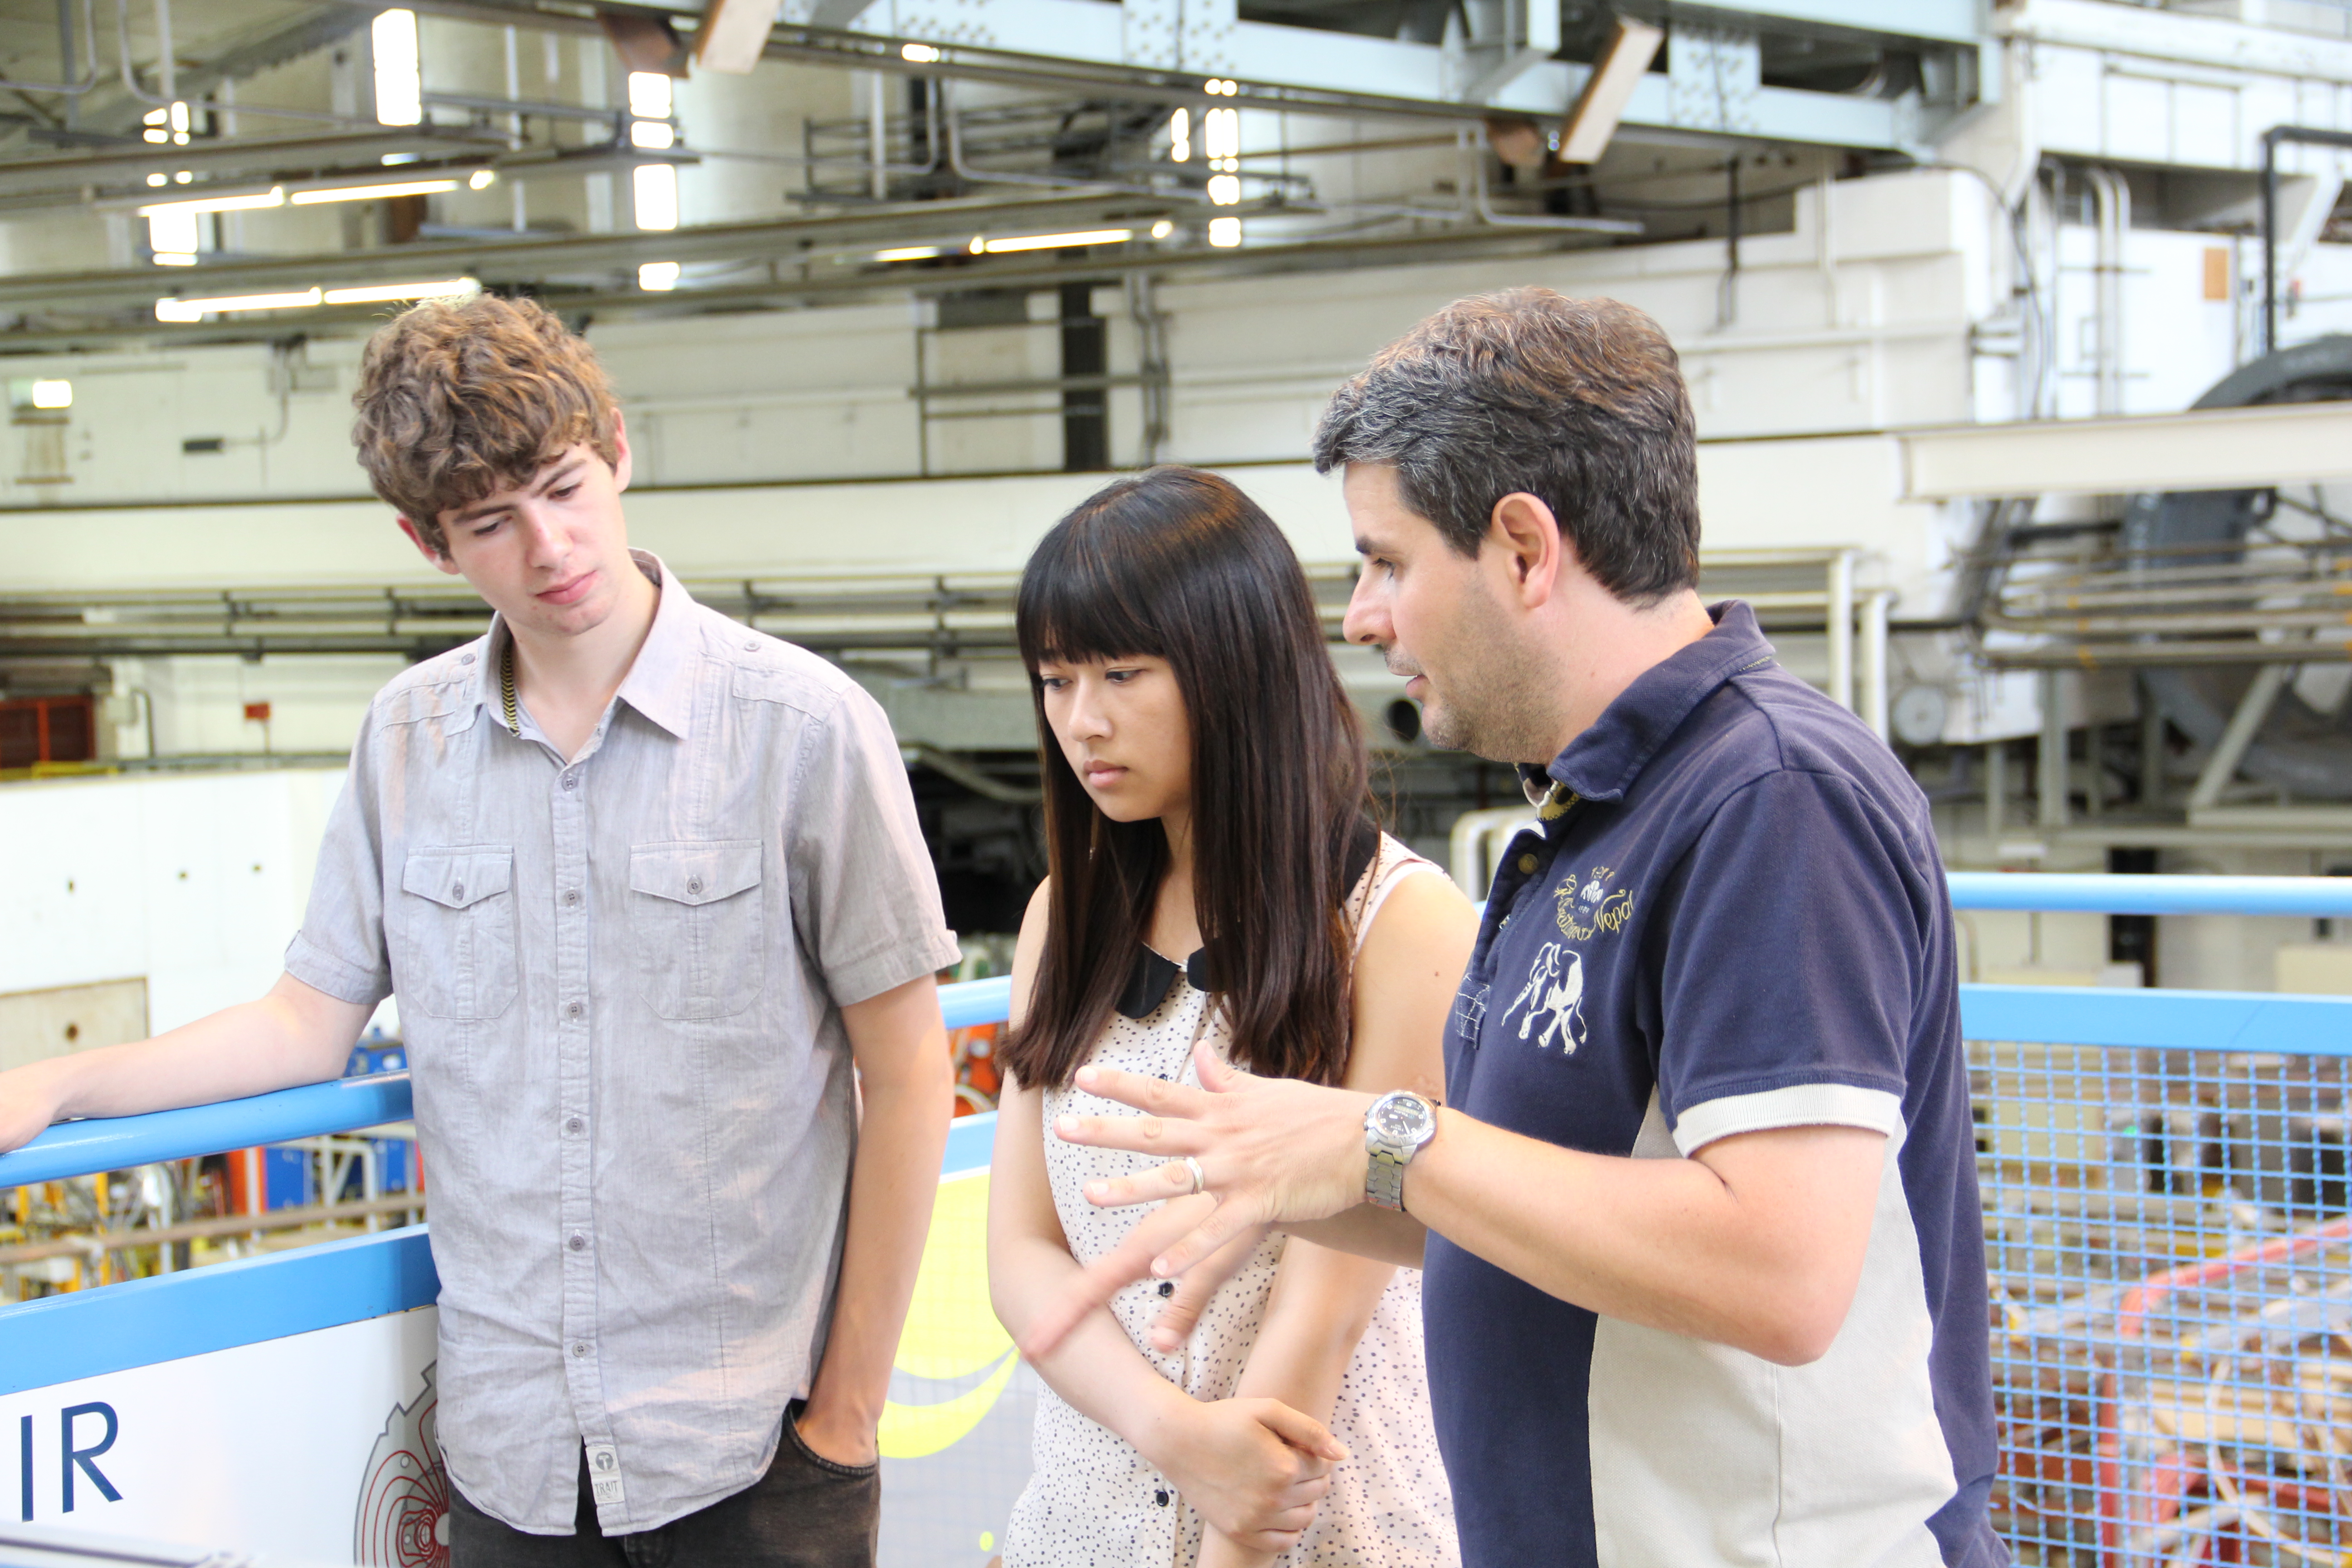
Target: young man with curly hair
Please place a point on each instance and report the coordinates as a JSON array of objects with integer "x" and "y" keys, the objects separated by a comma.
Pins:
[{"x": 650, "y": 891}]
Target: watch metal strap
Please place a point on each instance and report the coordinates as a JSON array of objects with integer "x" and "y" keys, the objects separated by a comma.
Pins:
[{"x": 1384, "y": 1180}]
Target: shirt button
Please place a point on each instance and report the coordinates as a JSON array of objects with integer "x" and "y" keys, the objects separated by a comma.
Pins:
[
  {"x": 1161, "y": 1496},
  {"x": 578, "y": 1243},
  {"x": 572, "y": 781},
  {"x": 1527, "y": 864},
  {"x": 579, "y": 1348},
  {"x": 456, "y": 889},
  {"x": 572, "y": 1009},
  {"x": 752, "y": 645},
  {"x": 574, "y": 1125},
  {"x": 571, "y": 895},
  {"x": 694, "y": 884},
  {"x": 467, "y": 658},
  {"x": 1168, "y": 1286}
]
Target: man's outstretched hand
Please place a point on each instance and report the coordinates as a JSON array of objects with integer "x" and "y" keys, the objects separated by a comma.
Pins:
[{"x": 1272, "y": 1151}]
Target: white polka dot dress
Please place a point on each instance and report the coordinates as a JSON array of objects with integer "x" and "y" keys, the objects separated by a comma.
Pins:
[{"x": 1093, "y": 1501}]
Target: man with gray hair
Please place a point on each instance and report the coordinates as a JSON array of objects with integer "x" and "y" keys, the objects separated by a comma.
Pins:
[{"x": 1704, "y": 1265}]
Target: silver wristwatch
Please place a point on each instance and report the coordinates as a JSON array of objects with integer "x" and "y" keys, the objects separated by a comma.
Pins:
[{"x": 1395, "y": 1128}]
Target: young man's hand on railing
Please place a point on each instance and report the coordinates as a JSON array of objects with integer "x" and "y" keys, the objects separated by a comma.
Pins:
[{"x": 295, "y": 1035}]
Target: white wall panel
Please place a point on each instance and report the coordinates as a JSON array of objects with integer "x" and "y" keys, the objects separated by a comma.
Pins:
[{"x": 195, "y": 882}]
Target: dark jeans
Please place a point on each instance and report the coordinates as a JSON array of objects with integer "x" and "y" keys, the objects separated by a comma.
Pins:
[{"x": 805, "y": 1513}]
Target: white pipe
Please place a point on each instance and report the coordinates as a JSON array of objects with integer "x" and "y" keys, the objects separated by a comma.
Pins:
[
  {"x": 1874, "y": 606},
  {"x": 1467, "y": 853},
  {"x": 167, "y": 69},
  {"x": 2111, "y": 203},
  {"x": 1841, "y": 629},
  {"x": 2051, "y": 767}
]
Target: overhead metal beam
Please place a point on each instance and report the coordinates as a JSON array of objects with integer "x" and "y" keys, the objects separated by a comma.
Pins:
[
  {"x": 1078, "y": 46},
  {"x": 1943, "y": 21},
  {"x": 531, "y": 259},
  {"x": 2207, "y": 449},
  {"x": 899, "y": 281},
  {"x": 260, "y": 154},
  {"x": 274, "y": 45}
]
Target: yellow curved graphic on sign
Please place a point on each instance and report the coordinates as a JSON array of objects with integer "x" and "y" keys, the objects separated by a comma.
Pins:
[
  {"x": 913, "y": 1431},
  {"x": 952, "y": 1334}
]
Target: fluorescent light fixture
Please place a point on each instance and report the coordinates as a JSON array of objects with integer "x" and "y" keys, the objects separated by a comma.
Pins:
[
  {"x": 1584, "y": 135},
  {"x": 1224, "y": 190},
  {"x": 372, "y": 192},
  {"x": 439, "y": 288},
  {"x": 275, "y": 196},
  {"x": 399, "y": 76},
  {"x": 182, "y": 177},
  {"x": 159, "y": 179},
  {"x": 481, "y": 179},
  {"x": 175, "y": 258},
  {"x": 658, "y": 277},
  {"x": 174, "y": 233},
  {"x": 197, "y": 309},
  {"x": 655, "y": 187},
  {"x": 1220, "y": 86},
  {"x": 650, "y": 96},
  {"x": 1057, "y": 241},
  {"x": 1221, "y": 133},
  {"x": 908, "y": 253},
  {"x": 1225, "y": 231},
  {"x": 1162, "y": 229},
  {"x": 1179, "y": 136},
  {"x": 654, "y": 133},
  {"x": 917, "y": 54},
  {"x": 53, "y": 394}
]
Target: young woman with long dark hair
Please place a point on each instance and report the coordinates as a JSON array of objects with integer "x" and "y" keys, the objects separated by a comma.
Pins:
[{"x": 1214, "y": 876}]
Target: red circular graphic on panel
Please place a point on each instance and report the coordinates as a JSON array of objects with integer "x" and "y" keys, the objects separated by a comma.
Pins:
[{"x": 402, "y": 1519}]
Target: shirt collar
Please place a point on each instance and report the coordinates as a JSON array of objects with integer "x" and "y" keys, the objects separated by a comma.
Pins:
[
  {"x": 660, "y": 682},
  {"x": 1602, "y": 762}
]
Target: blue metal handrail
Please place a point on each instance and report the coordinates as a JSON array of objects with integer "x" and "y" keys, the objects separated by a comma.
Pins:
[
  {"x": 2316, "y": 1025},
  {"x": 2095, "y": 892}
]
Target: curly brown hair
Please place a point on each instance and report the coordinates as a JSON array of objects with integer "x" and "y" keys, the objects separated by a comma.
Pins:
[{"x": 458, "y": 398}]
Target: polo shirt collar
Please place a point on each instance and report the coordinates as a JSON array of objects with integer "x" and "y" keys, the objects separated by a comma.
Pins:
[
  {"x": 1602, "y": 762},
  {"x": 660, "y": 682}
]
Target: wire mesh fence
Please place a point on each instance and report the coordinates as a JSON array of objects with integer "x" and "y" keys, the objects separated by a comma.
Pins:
[{"x": 2170, "y": 1242}]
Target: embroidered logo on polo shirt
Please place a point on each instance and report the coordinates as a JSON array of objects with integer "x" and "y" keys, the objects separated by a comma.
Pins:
[
  {"x": 1551, "y": 1005},
  {"x": 1585, "y": 907}
]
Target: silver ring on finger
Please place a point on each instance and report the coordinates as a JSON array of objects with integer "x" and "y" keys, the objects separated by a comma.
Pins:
[{"x": 1199, "y": 1179}]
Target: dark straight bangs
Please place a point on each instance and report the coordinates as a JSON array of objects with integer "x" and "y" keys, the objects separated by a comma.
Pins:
[
  {"x": 1179, "y": 565},
  {"x": 1078, "y": 601}
]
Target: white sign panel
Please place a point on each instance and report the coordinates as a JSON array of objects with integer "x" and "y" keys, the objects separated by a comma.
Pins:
[{"x": 316, "y": 1445}]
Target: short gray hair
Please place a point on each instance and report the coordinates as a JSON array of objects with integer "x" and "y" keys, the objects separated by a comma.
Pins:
[{"x": 1579, "y": 403}]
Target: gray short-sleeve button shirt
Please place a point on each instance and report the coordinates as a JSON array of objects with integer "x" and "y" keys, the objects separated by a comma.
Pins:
[{"x": 620, "y": 979}]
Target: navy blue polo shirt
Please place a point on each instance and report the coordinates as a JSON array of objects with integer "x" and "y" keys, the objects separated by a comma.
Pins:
[{"x": 1732, "y": 918}]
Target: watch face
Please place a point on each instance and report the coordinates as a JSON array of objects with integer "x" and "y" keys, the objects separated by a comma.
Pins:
[{"x": 1401, "y": 1118}]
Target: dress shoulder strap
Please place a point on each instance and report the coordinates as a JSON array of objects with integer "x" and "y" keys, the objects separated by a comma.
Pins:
[{"x": 1392, "y": 863}]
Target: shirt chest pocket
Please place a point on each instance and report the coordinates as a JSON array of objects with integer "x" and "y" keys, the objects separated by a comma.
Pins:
[
  {"x": 457, "y": 914},
  {"x": 697, "y": 915}
]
